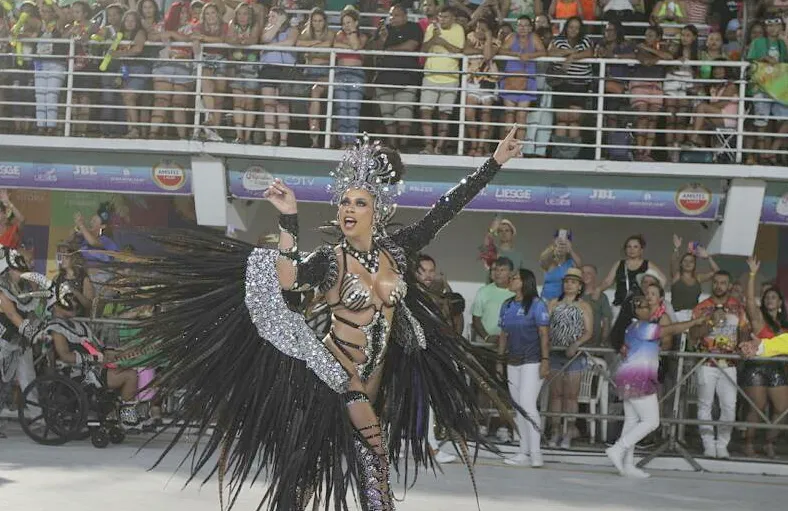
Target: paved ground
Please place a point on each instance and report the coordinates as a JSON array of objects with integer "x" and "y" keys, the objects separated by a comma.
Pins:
[{"x": 78, "y": 477}]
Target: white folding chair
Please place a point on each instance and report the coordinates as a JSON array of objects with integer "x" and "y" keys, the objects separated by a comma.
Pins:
[
  {"x": 724, "y": 150},
  {"x": 594, "y": 390}
]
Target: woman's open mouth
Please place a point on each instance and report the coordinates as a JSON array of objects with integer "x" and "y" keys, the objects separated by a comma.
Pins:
[{"x": 349, "y": 222}]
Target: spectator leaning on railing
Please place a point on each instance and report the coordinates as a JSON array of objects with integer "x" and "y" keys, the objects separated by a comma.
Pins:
[
  {"x": 441, "y": 77},
  {"x": 50, "y": 68},
  {"x": 277, "y": 65},
  {"x": 769, "y": 50},
  {"x": 211, "y": 30},
  {"x": 133, "y": 71},
  {"x": 571, "y": 78},
  {"x": 519, "y": 82},
  {"x": 482, "y": 85},
  {"x": 397, "y": 92},
  {"x": 349, "y": 91},
  {"x": 315, "y": 35},
  {"x": 244, "y": 30}
]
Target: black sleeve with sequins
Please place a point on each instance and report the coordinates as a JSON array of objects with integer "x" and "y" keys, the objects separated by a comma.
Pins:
[
  {"x": 417, "y": 236},
  {"x": 317, "y": 270}
]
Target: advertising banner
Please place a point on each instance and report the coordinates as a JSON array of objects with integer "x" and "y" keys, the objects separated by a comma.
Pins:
[
  {"x": 775, "y": 209},
  {"x": 166, "y": 177},
  {"x": 690, "y": 201}
]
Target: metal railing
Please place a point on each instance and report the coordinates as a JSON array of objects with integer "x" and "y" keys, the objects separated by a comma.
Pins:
[{"x": 220, "y": 99}]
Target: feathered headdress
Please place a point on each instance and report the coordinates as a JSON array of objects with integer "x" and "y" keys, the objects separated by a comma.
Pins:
[
  {"x": 367, "y": 167},
  {"x": 56, "y": 292}
]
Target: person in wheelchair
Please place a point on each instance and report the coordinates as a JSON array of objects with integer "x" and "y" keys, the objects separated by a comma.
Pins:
[
  {"x": 16, "y": 356},
  {"x": 74, "y": 345}
]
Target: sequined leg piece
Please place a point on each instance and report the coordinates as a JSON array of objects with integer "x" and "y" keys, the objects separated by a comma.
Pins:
[
  {"x": 372, "y": 461},
  {"x": 375, "y": 489}
]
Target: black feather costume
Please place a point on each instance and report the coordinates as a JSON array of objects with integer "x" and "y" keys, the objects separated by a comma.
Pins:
[{"x": 250, "y": 365}]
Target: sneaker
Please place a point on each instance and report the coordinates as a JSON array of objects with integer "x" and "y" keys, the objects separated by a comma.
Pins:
[
  {"x": 635, "y": 473},
  {"x": 722, "y": 452},
  {"x": 616, "y": 455},
  {"x": 566, "y": 443},
  {"x": 445, "y": 457},
  {"x": 128, "y": 415},
  {"x": 503, "y": 435},
  {"x": 483, "y": 431},
  {"x": 709, "y": 450},
  {"x": 517, "y": 460},
  {"x": 211, "y": 135},
  {"x": 553, "y": 442},
  {"x": 536, "y": 460}
]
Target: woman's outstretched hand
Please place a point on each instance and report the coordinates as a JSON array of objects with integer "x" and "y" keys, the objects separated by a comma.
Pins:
[
  {"x": 508, "y": 148},
  {"x": 282, "y": 197}
]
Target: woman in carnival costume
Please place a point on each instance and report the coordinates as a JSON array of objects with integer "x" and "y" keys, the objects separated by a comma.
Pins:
[{"x": 318, "y": 415}]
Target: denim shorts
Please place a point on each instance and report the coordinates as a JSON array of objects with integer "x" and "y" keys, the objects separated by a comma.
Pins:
[
  {"x": 559, "y": 360},
  {"x": 179, "y": 74}
]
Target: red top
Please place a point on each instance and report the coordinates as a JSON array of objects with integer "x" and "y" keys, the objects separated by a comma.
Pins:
[
  {"x": 10, "y": 237},
  {"x": 766, "y": 333},
  {"x": 342, "y": 38}
]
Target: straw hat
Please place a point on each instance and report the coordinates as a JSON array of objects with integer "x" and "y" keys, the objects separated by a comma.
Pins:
[
  {"x": 650, "y": 273},
  {"x": 574, "y": 273}
]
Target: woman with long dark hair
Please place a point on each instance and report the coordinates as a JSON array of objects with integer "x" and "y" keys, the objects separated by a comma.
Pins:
[
  {"x": 625, "y": 271},
  {"x": 525, "y": 342},
  {"x": 571, "y": 325},
  {"x": 685, "y": 287},
  {"x": 572, "y": 79},
  {"x": 135, "y": 79},
  {"x": 764, "y": 382},
  {"x": 316, "y": 35},
  {"x": 638, "y": 339},
  {"x": 678, "y": 83}
]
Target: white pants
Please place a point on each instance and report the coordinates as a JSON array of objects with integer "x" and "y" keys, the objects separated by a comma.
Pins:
[
  {"x": 49, "y": 77},
  {"x": 711, "y": 382},
  {"x": 685, "y": 315},
  {"x": 641, "y": 417},
  {"x": 524, "y": 385}
]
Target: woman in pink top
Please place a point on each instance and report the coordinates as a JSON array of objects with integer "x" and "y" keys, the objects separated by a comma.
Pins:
[{"x": 723, "y": 101}]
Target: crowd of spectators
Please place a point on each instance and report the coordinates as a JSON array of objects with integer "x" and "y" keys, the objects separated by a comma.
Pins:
[
  {"x": 540, "y": 332},
  {"x": 144, "y": 86}
]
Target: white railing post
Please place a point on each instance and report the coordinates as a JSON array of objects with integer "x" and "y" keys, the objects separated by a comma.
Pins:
[
  {"x": 332, "y": 61},
  {"x": 600, "y": 108},
  {"x": 69, "y": 89},
  {"x": 198, "y": 104},
  {"x": 463, "y": 99},
  {"x": 740, "y": 116}
]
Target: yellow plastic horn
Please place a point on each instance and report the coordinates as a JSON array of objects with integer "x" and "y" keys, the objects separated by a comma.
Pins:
[{"x": 108, "y": 56}]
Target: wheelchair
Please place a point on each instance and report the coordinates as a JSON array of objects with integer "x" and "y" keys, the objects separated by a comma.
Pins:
[{"x": 69, "y": 403}]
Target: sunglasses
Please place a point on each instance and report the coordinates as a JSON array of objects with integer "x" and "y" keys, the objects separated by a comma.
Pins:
[{"x": 773, "y": 21}]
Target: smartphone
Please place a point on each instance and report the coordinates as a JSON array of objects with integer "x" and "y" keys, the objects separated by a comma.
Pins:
[
  {"x": 692, "y": 247},
  {"x": 563, "y": 234}
]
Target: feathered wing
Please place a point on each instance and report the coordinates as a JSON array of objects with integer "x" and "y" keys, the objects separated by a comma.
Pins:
[
  {"x": 428, "y": 364},
  {"x": 262, "y": 409}
]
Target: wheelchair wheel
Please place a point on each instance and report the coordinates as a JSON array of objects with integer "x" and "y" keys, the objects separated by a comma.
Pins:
[
  {"x": 54, "y": 409},
  {"x": 99, "y": 438},
  {"x": 117, "y": 435}
]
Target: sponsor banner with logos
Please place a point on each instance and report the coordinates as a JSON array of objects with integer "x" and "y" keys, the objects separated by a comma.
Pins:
[
  {"x": 166, "y": 177},
  {"x": 687, "y": 201},
  {"x": 775, "y": 209}
]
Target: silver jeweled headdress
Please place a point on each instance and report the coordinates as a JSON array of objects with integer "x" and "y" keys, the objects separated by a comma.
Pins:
[{"x": 367, "y": 167}]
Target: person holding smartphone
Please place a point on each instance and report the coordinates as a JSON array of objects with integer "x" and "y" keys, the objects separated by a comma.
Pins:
[{"x": 556, "y": 260}]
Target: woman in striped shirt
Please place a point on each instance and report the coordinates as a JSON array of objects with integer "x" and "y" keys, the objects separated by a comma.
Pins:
[{"x": 571, "y": 79}]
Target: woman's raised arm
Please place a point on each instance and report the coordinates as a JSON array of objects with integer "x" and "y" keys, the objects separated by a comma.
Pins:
[{"x": 417, "y": 236}]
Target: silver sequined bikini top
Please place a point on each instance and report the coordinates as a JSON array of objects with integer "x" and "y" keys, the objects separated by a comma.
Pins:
[{"x": 357, "y": 296}]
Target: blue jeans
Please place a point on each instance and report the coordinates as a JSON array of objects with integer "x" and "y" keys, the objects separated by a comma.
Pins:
[{"x": 348, "y": 93}]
